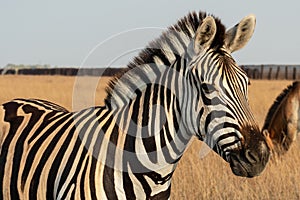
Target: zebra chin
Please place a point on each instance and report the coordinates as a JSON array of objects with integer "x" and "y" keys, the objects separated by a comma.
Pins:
[{"x": 252, "y": 158}]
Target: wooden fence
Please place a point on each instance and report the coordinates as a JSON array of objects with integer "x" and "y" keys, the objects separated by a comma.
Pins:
[
  {"x": 277, "y": 72},
  {"x": 63, "y": 71},
  {"x": 288, "y": 72}
]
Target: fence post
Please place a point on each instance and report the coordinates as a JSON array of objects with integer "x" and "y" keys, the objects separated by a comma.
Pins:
[
  {"x": 294, "y": 73},
  {"x": 286, "y": 72},
  {"x": 270, "y": 73},
  {"x": 277, "y": 73},
  {"x": 256, "y": 74},
  {"x": 261, "y": 71}
]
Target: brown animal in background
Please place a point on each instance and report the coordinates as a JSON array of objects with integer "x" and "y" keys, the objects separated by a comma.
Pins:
[{"x": 282, "y": 122}]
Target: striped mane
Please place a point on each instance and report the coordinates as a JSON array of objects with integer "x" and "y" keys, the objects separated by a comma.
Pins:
[
  {"x": 277, "y": 103},
  {"x": 168, "y": 47}
]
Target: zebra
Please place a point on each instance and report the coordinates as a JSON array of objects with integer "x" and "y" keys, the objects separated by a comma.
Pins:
[{"x": 183, "y": 84}]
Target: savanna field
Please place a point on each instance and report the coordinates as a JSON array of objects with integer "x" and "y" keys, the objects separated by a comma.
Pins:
[{"x": 201, "y": 174}]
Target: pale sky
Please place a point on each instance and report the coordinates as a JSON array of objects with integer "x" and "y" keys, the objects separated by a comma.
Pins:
[{"x": 64, "y": 32}]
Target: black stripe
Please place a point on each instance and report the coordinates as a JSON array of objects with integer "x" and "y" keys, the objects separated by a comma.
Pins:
[
  {"x": 176, "y": 121},
  {"x": 92, "y": 176},
  {"x": 224, "y": 125},
  {"x": 171, "y": 141},
  {"x": 82, "y": 179},
  {"x": 108, "y": 172},
  {"x": 169, "y": 96},
  {"x": 217, "y": 114},
  {"x": 199, "y": 116},
  {"x": 56, "y": 163},
  {"x": 159, "y": 53},
  {"x": 196, "y": 83},
  {"x": 79, "y": 164},
  {"x": 178, "y": 37},
  {"x": 164, "y": 148},
  {"x": 146, "y": 105},
  {"x": 224, "y": 146},
  {"x": 15, "y": 121},
  {"x": 136, "y": 108},
  {"x": 172, "y": 47},
  {"x": 227, "y": 135},
  {"x": 144, "y": 183},
  {"x": 150, "y": 147},
  {"x": 128, "y": 186},
  {"x": 92, "y": 132},
  {"x": 19, "y": 149}
]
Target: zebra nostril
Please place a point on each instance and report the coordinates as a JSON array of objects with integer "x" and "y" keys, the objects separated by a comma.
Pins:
[{"x": 251, "y": 156}]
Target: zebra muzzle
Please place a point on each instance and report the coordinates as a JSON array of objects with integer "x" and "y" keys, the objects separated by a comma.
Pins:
[{"x": 250, "y": 162}]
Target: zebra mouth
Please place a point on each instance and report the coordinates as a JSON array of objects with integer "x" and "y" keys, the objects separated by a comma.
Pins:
[{"x": 239, "y": 167}]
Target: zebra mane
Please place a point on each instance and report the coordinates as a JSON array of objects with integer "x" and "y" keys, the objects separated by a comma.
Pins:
[
  {"x": 276, "y": 104},
  {"x": 168, "y": 46}
]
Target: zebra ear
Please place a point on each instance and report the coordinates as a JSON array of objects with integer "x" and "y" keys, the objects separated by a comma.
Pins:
[
  {"x": 205, "y": 34},
  {"x": 269, "y": 142},
  {"x": 239, "y": 35}
]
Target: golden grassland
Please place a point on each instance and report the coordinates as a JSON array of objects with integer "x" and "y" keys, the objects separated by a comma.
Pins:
[{"x": 201, "y": 174}]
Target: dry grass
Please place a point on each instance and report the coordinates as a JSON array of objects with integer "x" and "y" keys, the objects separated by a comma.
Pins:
[
  {"x": 58, "y": 89},
  {"x": 195, "y": 178}
]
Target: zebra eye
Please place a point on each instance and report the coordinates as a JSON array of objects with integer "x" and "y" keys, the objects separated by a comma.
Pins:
[{"x": 207, "y": 88}]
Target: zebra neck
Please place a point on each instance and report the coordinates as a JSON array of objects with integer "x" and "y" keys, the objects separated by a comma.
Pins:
[
  {"x": 128, "y": 156},
  {"x": 147, "y": 136}
]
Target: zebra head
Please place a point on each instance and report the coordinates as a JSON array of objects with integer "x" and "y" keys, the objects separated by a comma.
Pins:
[{"x": 222, "y": 110}]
